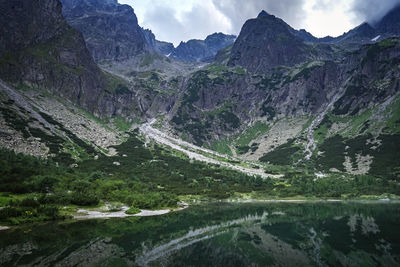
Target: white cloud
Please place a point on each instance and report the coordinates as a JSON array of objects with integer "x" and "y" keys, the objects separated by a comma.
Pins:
[{"x": 180, "y": 20}]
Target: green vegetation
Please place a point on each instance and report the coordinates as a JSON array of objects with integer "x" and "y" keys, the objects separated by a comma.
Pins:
[
  {"x": 222, "y": 146},
  {"x": 282, "y": 155},
  {"x": 122, "y": 124},
  {"x": 115, "y": 84},
  {"x": 242, "y": 140},
  {"x": 375, "y": 49},
  {"x": 149, "y": 58},
  {"x": 132, "y": 210},
  {"x": 147, "y": 178}
]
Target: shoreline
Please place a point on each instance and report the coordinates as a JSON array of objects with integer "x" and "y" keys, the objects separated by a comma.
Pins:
[{"x": 84, "y": 214}]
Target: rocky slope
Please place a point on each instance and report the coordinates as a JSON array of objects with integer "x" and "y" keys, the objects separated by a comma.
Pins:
[
  {"x": 273, "y": 96},
  {"x": 40, "y": 50},
  {"x": 161, "y": 47},
  {"x": 202, "y": 50},
  {"x": 287, "y": 110}
]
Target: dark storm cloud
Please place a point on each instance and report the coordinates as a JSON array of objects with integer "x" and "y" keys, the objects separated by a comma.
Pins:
[
  {"x": 238, "y": 11},
  {"x": 372, "y": 10}
]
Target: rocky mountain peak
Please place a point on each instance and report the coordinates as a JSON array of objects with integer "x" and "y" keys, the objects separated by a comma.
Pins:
[
  {"x": 390, "y": 23},
  {"x": 111, "y": 30},
  {"x": 202, "y": 50},
  {"x": 267, "y": 42},
  {"x": 263, "y": 14}
]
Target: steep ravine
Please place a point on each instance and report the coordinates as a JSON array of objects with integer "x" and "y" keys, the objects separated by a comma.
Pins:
[
  {"x": 199, "y": 153},
  {"x": 311, "y": 145}
]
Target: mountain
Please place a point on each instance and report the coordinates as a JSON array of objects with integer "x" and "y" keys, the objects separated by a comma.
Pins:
[
  {"x": 266, "y": 42},
  {"x": 389, "y": 25},
  {"x": 39, "y": 49},
  {"x": 202, "y": 50},
  {"x": 111, "y": 30},
  {"x": 279, "y": 100},
  {"x": 276, "y": 114},
  {"x": 161, "y": 47},
  {"x": 365, "y": 33}
]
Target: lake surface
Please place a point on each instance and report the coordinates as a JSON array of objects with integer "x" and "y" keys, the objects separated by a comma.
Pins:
[{"x": 218, "y": 234}]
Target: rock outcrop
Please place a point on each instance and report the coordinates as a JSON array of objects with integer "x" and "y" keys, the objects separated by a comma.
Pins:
[
  {"x": 111, "y": 30},
  {"x": 266, "y": 42},
  {"x": 161, "y": 47},
  {"x": 39, "y": 49},
  {"x": 202, "y": 50}
]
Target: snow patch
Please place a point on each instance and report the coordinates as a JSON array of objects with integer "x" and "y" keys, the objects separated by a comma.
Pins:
[{"x": 376, "y": 38}]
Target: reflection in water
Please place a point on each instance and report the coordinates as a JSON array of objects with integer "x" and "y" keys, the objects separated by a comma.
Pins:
[
  {"x": 251, "y": 234},
  {"x": 192, "y": 237}
]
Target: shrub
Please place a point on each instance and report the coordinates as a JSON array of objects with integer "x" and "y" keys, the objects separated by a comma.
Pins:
[{"x": 132, "y": 210}]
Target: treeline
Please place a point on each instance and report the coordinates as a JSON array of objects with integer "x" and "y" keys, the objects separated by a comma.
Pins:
[
  {"x": 149, "y": 178},
  {"x": 140, "y": 177}
]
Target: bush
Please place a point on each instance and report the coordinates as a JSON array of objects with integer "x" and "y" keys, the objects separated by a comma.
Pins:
[
  {"x": 9, "y": 212},
  {"x": 132, "y": 210},
  {"x": 49, "y": 211},
  {"x": 84, "y": 199},
  {"x": 29, "y": 202}
]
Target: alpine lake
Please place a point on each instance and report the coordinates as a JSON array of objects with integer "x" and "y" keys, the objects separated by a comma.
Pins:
[{"x": 316, "y": 233}]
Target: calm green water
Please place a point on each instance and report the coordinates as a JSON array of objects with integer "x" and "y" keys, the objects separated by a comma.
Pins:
[{"x": 256, "y": 234}]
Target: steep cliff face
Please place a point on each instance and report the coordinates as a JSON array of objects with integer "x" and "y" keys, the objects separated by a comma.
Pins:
[
  {"x": 266, "y": 42},
  {"x": 111, "y": 30},
  {"x": 389, "y": 25},
  {"x": 202, "y": 50},
  {"x": 43, "y": 51},
  {"x": 345, "y": 111},
  {"x": 161, "y": 47}
]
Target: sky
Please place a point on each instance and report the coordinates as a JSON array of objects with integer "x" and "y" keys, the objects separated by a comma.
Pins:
[{"x": 180, "y": 20}]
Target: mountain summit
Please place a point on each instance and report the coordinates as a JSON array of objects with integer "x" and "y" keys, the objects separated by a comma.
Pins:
[
  {"x": 111, "y": 30},
  {"x": 267, "y": 42},
  {"x": 202, "y": 50}
]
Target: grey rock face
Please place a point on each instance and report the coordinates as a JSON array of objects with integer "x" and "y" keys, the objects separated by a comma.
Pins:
[
  {"x": 266, "y": 42},
  {"x": 161, "y": 47},
  {"x": 202, "y": 50},
  {"x": 390, "y": 23},
  {"x": 32, "y": 26},
  {"x": 111, "y": 30},
  {"x": 221, "y": 102},
  {"x": 45, "y": 52}
]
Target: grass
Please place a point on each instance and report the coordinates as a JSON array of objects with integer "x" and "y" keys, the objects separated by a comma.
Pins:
[
  {"x": 115, "y": 84},
  {"x": 121, "y": 123},
  {"x": 241, "y": 141},
  {"x": 282, "y": 155},
  {"x": 252, "y": 133},
  {"x": 222, "y": 146},
  {"x": 393, "y": 123}
]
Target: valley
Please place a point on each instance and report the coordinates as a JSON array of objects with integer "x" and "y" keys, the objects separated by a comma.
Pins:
[
  {"x": 260, "y": 146},
  {"x": 96, "y": 110}
]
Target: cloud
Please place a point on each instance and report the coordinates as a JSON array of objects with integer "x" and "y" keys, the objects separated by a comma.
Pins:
[
  {"x": 238, "y": 11},
  {"x": 372, "y": 10},
  {"x": 181, "y": 20}
]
